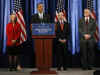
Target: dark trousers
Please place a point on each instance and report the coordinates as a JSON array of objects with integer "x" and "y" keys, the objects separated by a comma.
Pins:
[
  {"x": 87, "y": 53},
  {"x": 61, "y": 55}
]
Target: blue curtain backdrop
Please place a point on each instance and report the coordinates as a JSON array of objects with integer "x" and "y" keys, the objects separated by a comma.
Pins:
[
  {"x": 74, "y": 10},
  {"x": 5, "y": 12},
  {"x": 74, "y": 14}
]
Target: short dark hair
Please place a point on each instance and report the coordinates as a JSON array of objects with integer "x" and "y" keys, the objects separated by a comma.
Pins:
[{"x": 39, "y": 3}]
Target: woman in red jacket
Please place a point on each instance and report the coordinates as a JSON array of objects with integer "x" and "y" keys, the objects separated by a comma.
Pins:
[{"x": 13, "y": 40}]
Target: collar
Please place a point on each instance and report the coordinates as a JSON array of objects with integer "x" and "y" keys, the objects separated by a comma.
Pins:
[
  {"x": 40, "y": 15},
  {"x": 87, "y": 18},
  {"x": 61, "y": 21}
]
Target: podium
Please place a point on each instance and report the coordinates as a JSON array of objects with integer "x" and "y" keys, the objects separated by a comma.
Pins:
[{"x": 43, "y": 53}]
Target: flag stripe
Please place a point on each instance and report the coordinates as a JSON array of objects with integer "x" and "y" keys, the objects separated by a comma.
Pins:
[
  {"x": 20, "y": 15},
  {"x": 21, "y": 21},
  {"x": 17, "y": 5},
  {"x": 22, "y": 26}
]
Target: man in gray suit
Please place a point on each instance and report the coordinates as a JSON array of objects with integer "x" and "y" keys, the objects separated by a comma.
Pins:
[{"x": 87, "y": 28}]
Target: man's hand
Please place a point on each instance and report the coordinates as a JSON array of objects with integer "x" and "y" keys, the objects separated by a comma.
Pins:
[
  {"x": 87, "y": 36},
  {"x": 62, "y": 41}
]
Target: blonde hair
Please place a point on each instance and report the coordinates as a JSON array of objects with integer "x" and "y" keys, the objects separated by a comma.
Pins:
[{"x": 15, "y": 20}]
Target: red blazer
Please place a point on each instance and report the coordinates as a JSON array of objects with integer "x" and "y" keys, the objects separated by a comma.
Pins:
[{"x": 13, "y": 33}]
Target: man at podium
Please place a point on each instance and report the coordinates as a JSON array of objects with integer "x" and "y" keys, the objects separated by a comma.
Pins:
[
  {"x": 40, "y": 17},
  {"x": 42, "y": 42}
]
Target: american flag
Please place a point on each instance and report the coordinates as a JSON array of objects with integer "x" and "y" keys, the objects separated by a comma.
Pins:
[
  {"x": 90, "y": 5},
  {"x": 17, "y": 8},
  {"x": 60, "y": 8}
]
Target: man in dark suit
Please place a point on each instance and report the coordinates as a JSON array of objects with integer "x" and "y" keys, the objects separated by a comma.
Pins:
[
  {"x": 62, "y": 35},
  {"x": 40, "y": 17},
  {"x": 87, "y": 28}
]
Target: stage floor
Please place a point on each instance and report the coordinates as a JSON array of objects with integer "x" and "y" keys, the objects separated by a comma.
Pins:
[{"x": 26, "y": 71}]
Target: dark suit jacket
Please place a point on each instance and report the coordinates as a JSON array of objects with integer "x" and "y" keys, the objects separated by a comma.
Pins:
[
  {"x": 91, "y": 28},
  {"x": 35, "y": 19},
  {"x": 62, "y": 34}
]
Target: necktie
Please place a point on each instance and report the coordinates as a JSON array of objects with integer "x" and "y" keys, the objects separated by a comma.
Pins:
[
  {"x": 86, "y": 21},
  {"x": 87, "y": 25},
  {"x": 62, "y": 25}
]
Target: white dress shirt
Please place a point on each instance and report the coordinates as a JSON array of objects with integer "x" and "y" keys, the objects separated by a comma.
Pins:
[
  {"x": 87, "y": 18},
  {"x": 40, "y": 15}
]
